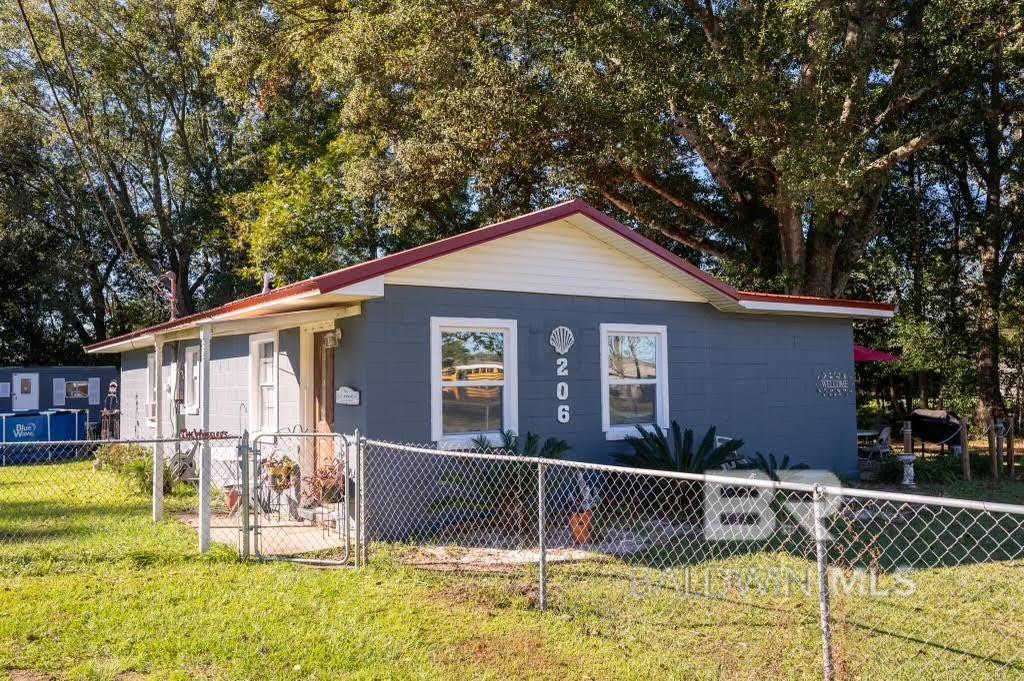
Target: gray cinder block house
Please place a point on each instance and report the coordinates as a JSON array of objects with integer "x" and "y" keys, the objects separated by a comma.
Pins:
[{"x": 563, "y": 322}]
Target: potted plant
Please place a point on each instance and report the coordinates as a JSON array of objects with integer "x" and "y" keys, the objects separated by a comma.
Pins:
[
  {"x": 280, "y": 473},
  {"x": 326, "y": 485},
  {"x": 581, "y": 522},
  {"x": 232, "y": 497}
]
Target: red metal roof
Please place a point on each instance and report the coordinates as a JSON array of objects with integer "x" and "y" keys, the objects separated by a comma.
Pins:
[{"x": 355, "y": 274}]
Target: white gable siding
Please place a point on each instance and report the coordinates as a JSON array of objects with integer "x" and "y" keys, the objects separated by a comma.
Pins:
[{"x": 554, "y": 258}]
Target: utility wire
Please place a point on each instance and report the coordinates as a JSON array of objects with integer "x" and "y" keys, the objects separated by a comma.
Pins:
[{"x": 130, "y": 255}]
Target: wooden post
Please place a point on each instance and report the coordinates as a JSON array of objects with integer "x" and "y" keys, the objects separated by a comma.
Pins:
[
  {"x": 1000, "y": 444},
  {"x": 1011, "y": 449},
  {"x": 965, "y": 451},
  {"x": 908, "y": 439},
  {"x": 992, "y": 449}
]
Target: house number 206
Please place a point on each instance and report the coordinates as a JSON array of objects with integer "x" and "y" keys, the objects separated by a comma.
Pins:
[
  {"x": 562, "y": 389},
  {"x": 561, "y": 340}
]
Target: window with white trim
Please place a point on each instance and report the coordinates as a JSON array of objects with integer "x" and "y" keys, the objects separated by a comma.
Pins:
[
  {"x": 151, "y": 386},
  {"x": 191, "y": 369},
  {"x": 473, "y": 382},
  {"x": 263, "y": 362},
  {"x": 634, "y": 378}
]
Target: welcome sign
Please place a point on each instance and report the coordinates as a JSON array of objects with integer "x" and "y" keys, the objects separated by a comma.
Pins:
[{"x": 834, "y": 384}]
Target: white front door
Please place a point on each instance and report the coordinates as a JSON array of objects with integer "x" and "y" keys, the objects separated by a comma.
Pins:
[{"x": 25, "y": 392}]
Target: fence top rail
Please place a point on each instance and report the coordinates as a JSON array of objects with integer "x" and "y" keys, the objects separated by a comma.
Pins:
[
  {"x": 736, "y": 479},
  {"x": 123, "y": 441},
  {"x": 263, "y": 437}
]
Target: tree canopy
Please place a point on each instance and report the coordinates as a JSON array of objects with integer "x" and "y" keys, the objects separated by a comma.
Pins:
[{"x": 861, "y": 148}]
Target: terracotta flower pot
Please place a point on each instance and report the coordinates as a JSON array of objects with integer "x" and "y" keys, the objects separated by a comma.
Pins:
[{"x": 582, "y": 526}]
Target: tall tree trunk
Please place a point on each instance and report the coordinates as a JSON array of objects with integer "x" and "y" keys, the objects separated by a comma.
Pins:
[{"x": 990, "y": 397}]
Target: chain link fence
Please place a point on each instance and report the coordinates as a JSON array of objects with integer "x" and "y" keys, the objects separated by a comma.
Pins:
[
  {"x": 61, "y": 498},
  {"x": 830, "y": 581},
  {"x": 822, "y": 580}
]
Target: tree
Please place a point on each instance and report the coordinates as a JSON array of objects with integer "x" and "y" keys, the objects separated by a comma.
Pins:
[
  {"x": 67, "y": 281},
  {"x": 985, "y": 163},
  {"x": 127, "y": 87},
  {"x": 757, "y": 135}
]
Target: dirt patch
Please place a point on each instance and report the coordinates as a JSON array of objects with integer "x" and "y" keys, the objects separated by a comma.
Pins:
[
  {"x": 461, "y": 559},
  {"x": 28, "y": 675},
  {"x": 516, "y": 656}
]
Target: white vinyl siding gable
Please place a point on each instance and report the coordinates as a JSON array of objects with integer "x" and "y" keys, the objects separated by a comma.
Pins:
[{"x": 556, "y": 258}]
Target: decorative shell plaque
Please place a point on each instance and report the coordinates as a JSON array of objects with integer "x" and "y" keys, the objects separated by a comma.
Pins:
[{"x": 561, "y": 339}]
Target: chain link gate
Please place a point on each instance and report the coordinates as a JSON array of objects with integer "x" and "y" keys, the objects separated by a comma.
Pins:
[{"x": 300, "y": 498}]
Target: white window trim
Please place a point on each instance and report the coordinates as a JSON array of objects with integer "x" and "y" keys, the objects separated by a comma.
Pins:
[
  {"x": 510, "y": 401},
  {"x": 661, "y": 408},
  {"x": 191, "y": 366},
  {"x": 151, "y": 389},
  {"x": 256, "y": 340}
]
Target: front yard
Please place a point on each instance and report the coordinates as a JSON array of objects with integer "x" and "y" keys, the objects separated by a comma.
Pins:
[{"x": 90, "y": 589}]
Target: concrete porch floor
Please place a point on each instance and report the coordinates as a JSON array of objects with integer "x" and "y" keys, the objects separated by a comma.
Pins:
[{"x": 278, "y": 536}]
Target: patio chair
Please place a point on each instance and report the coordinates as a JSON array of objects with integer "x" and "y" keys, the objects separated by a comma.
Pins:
[{"x": 881, "y": 447}]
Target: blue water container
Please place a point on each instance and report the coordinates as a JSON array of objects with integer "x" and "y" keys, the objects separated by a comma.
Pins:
[{"x": 55, "y": 425}]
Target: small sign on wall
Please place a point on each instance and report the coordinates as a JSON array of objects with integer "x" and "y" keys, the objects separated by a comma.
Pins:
[
  {"x": 94, "y": 391},
  {"x": 347, "y": 396},
  {"x": 834, "y": 384},
  {"x": 58, "y": 392}
]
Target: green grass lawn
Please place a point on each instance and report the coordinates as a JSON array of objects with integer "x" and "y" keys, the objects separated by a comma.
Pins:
[{"x": 89, "y": 588}]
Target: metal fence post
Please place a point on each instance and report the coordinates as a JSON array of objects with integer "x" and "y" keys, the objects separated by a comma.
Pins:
[
  {"x": 158, "y": 482},
  {"x": 542, "y": 538},
  {"x": 205, "y": 455},
  {"x": 357, "y": 509},
  {"x": 243, "y": 455},
  {"x": 821, "y": 550}
]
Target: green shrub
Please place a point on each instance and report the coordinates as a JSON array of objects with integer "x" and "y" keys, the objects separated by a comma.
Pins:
[
  {"x": 940, "y": 471},
  {"x": 119, "y": 456},
  {"x": 139, "y": 473},
  {"x": 891, "y": 472},
  {"x": 134, "y": 462}
]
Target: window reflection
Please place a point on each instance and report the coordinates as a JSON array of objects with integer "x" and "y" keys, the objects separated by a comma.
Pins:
[
  {"x": 472, "y": 380},
  {"x": 631, "y": 405},
  {"x": 632, "y": 356}
]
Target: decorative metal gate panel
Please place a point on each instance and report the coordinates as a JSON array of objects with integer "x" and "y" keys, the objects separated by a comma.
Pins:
[{"x": 301, "y": 502}]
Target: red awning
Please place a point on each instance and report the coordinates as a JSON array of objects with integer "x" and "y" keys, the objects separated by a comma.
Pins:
[{"x": 862, "y": 355}]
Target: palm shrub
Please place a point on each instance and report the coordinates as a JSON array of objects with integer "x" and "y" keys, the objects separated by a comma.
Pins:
[
  {"x": 771, "y": 466},
  {"x": 673, "y": 450},
  {"x": 497, "y": 494}
]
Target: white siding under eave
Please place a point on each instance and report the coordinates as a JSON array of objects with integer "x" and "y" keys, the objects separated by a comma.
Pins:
[{"x": 556, "y": 258}]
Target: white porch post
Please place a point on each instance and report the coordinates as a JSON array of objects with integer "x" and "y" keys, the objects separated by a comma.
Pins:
[
  {"x": 158, "y": 447},
  {"x": 205, "y": 464}
]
